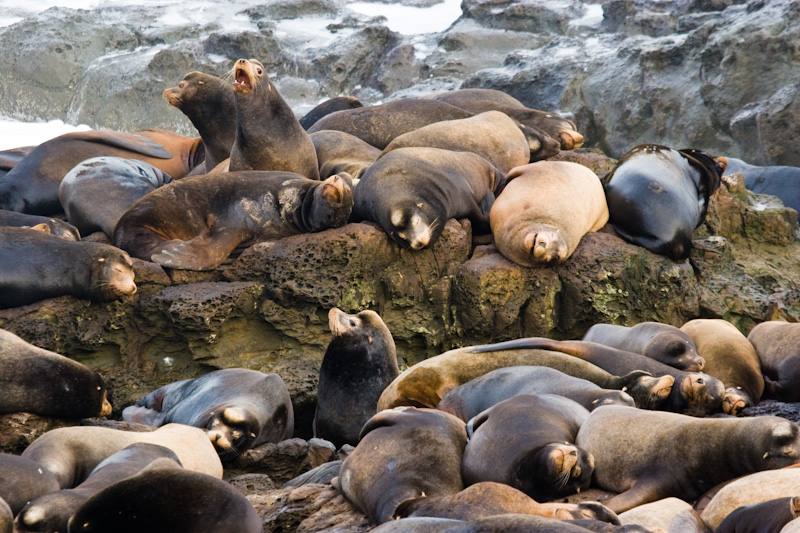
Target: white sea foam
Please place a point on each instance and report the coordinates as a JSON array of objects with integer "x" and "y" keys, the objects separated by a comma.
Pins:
[{"x": 14, "y": 134}]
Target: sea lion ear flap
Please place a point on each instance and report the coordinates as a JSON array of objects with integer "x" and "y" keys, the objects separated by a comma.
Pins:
[{"x": 44, "y": 228}]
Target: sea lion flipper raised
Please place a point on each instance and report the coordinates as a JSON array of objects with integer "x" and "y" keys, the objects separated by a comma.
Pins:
[
  {"x": 204, "y": 252},
  {"x": 126, "y": 141}
]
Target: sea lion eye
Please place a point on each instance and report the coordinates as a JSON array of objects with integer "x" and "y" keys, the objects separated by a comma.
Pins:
[
  {"x": 353, "y": 323},
  {"x": 259, "y": 71},
  {"x": 181, "y": 85},
  {"x": 700, "y": 381}
]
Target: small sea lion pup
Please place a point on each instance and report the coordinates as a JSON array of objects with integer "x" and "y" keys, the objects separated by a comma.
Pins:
[
  {"x": 527, "y": 442},
  {"x": 657, "y": 196},
  {"x": 359, "y": 363},
  {"x": 412, "y": 192},
  {"x": 404, "y": 454},
  {"x": 730, "y": 358},
  {"x": 338, "y": 151},
  {"x": 778, "y": 347},
  {"x": 238, "y": 408},
  {"x": 165, "y": 498},
  {"x": 98, "y": 191},
  {"x": 649, "y": 455},
  {"x": 35, "y": 265},
  {"x": 662, "y": 342},
  {"x": 34, "y": 380},
  {"x": 545, "y": 210},
  {"x": 53, "y": 226},
  {"x": 337, "y": 103},
  {"x": 268, "y": 135},
  {"x": 195, "y": 224}
]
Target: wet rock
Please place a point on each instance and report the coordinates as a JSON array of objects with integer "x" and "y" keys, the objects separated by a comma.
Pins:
[{"x": 525, "y": 15}]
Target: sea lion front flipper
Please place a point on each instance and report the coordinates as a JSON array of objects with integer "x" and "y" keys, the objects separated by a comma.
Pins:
[
  {"x": 126, "y": 141},
  {"x": 205, "y": 252},
  {"x": 644, "y": 490}
]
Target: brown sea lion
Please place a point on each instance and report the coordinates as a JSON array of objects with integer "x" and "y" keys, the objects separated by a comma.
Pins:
[
  {"x": 669, "y": 514},
  {"x": 338, "y": 151},
  {"x": 778, "y": 347},
  {"x": 730, "y": 358},
  {"x": 53, "y": 226},
  {"x": 662, "y": 342},
  {"x": 545, "y": 210},
  {"x": 6, "y": 518},
  {"x": 11, "y": 157},
  {"x": 23, "y": 480},
  {"x": 195, "y": 224},
  {"x": 35, "y": 265},
  {"x": 649, "y": 455},
  {"x": 268, "y": 135},
  {"x": 337, "y": 103},
  {"x": 771, "y": 515}
]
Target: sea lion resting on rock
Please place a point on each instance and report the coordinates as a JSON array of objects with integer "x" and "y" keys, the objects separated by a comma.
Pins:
[
  {"x": 778, "y": 346},
  {"x": 338, "y": 151},
  {"x": 771, "y": 515},
  {"x": 647, "y": 455},
  {"x": 780, "y": 181},
  {"x": 53, "y": 226},
  {"x": 331, "y": 105},
  {"x": 35, "y": 265},
  {"x": 195, "y": 224},
  {"x": 238, "y": 408},
  {"x": 545, "y": 210}
]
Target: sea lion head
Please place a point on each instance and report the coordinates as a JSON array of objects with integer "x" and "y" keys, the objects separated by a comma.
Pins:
[
  {"x": 650, "y": 392},
  {"x": 545, "y": 246},
  {"x": 332, "y": 203},
  {"x": 782, "y": 447},
  {"x": 247, "y": 74},
  {"x": 232, "y": 430},
  {"x": 734, "y": 400},
  {"x": 698, "y": 394},
  {"x": 673, "y": 349},
  {"x": 185, "y": 90},
  {"x": 554, "y": 470},
  {"x": 112, "y": 275},
  {"x": 412, "y": 227}
]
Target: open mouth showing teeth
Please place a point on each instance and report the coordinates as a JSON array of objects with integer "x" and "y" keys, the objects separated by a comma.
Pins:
[{"x": 242, "y": 79}]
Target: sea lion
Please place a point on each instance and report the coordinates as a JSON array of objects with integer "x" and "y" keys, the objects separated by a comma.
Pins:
[
  {"x": 481, "y": 100},
  {"x": 358, "y": 364},
  {"x": 730, "y": 358},
  {"x": 338, "y": 151},
  {"x": 53, "y": 226},
  {"x": 412, "y": 192},
  {"x": 427, "y": 382},
  {"x": 35, "y": 265},
  {"x": 771, "y": 515},
  {"x": 544, "y": 212},
  {"x": 71, "y": 453},
  {"x": 6, "y": 518},
  {"x": 163, "y": 497},
  {"x": 217, "y": 213},
  {"x": 337, "y": 103},
  {"x": 693, "y": 454},
  {"x": 208, "y": 103},
  {"x": 657, "y": 196},
  {"x": 404, "y": 454},
  {"x": 418, "y": 525},
  {"x": 268, "y": 135},
  {"x": 23, "y": 480},
  {"x": 11, "y": 157},
  {"x": 483, "y": 392},
  {"x": 662, "y": 342},
  {"x": 98, "y": 191},
  {"x": 51, "y": 512},
  {"x": 694, "y": 393},
  {"x": 35, "y": 380},
  {"x": 780, "y": 181},
  {"x": 778, "y": 347},
  {"x": 527, "y": 442},
  {"x": 237, "y": 407},
  {"x": 492, "y": 135},
  {"x": 669, "y": 514},
  {"x": 32, "y": 185}
]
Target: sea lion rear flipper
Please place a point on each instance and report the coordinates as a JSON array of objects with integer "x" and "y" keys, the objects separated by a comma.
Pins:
[
  {"x": 205, "y": 252},
  {"x": 126, "y": 141}
]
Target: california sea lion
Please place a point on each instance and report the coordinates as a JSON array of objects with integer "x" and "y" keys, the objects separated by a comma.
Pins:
[
  {"x": 412, "y": 192},
  {"x": 11, "y": 157},
  {"x": 657, "y": 196},
  {"x": 337, "y": 103},
  {"x": 32, "y": 185},
  {"x": 268, "y": 135},
  {"x": 358, "y": 364},
  {"x": 72, "y": 453},
  {"x": 668, "y": 514},
  {"x": 527, "y": 442},
  {"x": 53, "y": 226},
  {"x": 338, "y": 151},
  {"x": 780, "y": 181},
  {"x": 51, "y": 512},
  {"x": 693, "y": 454},
  {"x": 662, "y": 342},
  {"x": 98, "y": 191},
  {"x": 545, "y": 210},
  {"x": 771, "y": 515},
  {"x": 694, "y": 393},
  {"x": 483, "y": 392},
  {"x": 208, "y": 102},
  {"x": 730, "y": 358},
  {"x": 238, "y": 408},
  {"x": 6, "y": 518},
  {"x": 39, "y": 381},
  {"x": 23, "y": 480},
  {"x": 195, "y": 224},
  {"x": 166, "y": 498},
  {"x": 778, "y": 347},
  {"x": 404, "y": 454},
  {"x": 35, "y": 265}
]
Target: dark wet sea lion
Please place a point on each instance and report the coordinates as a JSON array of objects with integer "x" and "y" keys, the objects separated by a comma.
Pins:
[
  {"x": 55, "y": 226},
  {"x": 778, "y": 347},
  {"x": 35, "y": 265},
  {"x": 195, "y": 224},
  {"x": 771, "y": 515},
  {"x": 238, "y": 408},
  {"x": 98, "y": 191},
  {"x": 412, "y": 192},
  {"x": 649, "y": 455},
  {"x": 662, "y": 342},
  {"x": 404, "y": 454},
  {"x": 10, "y": 158},
  {"x": 337, "y": 103},
  {"x": 780, "y": 181},
  {"x": 338, "y": 151},
  {"x": 657, "y": 196},
  {"x": 268, "y": 135},
  {"x": 32, "y": 185},
  {"x": 208, "y": 102},
  {"x": 483, "y": 392},
  {"x": 546, "y": 208},
  {"x": 358, "y": 364},
  {"x": 23, "y": 480}
]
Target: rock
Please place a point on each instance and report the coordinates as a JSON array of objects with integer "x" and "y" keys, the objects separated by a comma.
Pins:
[
  {"x": 249, "y": 484},
  {"x": 18, "y": 430},
  {"x": 524, "y": 15}
]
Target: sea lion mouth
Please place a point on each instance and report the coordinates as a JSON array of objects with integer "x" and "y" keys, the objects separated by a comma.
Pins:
[
  {"x": 106, "y": 408},
  {"x": 172, "y": 99},
  {"x": 241, "y": 79}
]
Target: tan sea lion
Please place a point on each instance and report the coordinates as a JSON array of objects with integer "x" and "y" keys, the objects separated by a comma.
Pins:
[
  {"x": 778, "y": 347},
  {"x": 669, "y": 514}
]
